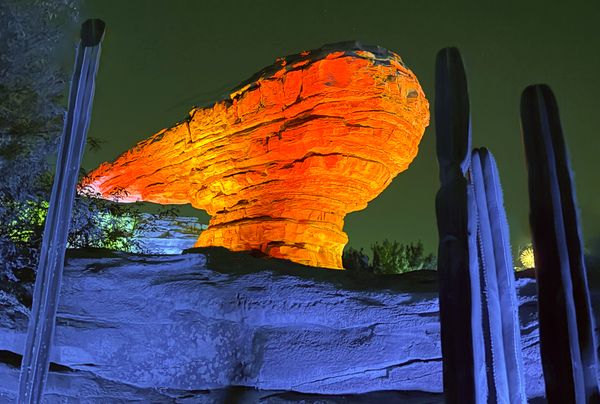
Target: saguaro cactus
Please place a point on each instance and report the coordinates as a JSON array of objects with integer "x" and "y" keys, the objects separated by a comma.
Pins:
[
  {"x": 478, "y": 309},
  {"x": 567, "y": 343}
]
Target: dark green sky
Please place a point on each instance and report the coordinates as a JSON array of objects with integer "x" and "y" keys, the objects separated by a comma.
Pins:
[{"x": 162, "y": 57}]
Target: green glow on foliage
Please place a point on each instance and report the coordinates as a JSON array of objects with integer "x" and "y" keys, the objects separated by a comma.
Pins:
[
  {"x": 30, "y": 215},
  {"x": 121, "y": 229},
  {"x": 114, "y": 232}
]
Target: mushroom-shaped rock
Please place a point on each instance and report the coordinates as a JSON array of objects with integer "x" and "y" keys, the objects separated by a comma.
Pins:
[{"x": 280, "y": 163}]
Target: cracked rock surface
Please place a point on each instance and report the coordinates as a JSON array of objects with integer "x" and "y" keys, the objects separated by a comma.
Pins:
[{"x": 212, "y": 324}]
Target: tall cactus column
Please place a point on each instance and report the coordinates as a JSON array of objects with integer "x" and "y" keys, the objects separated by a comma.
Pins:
[
  {"x": 567, "y": 343},
  {"x": 501, "y": 334},
  {"x": 481, "y": 344},
  {"x": 453, "y": 144},
  {"x": 36, "y": 357}
]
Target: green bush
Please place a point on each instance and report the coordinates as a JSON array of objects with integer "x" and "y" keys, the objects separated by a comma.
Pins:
[
  {"x": 395, "y": 258},
  {"x": 389, "y": 258},
  {"x": 98, "y": 223},
  {"x": 95, "y": 223}
]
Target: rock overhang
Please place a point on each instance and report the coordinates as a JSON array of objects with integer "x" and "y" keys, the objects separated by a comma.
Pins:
[{"x": 280, "y": 162}]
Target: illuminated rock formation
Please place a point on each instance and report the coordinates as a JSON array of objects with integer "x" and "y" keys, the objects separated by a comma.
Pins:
[{"x": 280, "y": 163}]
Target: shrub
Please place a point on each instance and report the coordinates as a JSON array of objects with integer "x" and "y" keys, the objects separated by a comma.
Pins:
[
  {"x": 95, "y": 223},
  {"x": 395, "y": 258},
  {"x": 98, "y": 223},
  {"x": 390, "y": 258}
]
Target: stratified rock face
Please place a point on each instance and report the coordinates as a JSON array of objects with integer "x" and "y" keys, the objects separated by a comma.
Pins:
[
  {"x": 134, "y": 326},
  {"x": 280, "y": 163}
]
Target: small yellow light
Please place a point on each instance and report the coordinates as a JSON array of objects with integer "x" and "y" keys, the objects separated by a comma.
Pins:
[{"x": 526, "y": 257}]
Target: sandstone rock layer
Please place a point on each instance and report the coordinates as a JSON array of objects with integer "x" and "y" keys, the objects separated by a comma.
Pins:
[{"x": 279, "y": 163}]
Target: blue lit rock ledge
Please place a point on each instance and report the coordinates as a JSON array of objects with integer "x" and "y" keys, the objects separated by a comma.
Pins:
[
  {"x": 170, "y": 235},
  {"x": 218, "y": 326}
]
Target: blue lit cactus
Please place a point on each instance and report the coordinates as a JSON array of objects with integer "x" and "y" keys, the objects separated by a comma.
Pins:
[
  {"x": 567, "y": 342},
  {"x": 478, "y": 301},
  {"x": 495, "y": 268}
]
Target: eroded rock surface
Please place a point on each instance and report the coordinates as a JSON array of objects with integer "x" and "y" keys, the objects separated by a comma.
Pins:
[
  {"x": 173, "y": 328},
  {"x": 280, "y": 163}
]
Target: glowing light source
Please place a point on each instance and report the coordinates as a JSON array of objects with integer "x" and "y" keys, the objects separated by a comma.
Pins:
[{"x": 526, "y": 257}]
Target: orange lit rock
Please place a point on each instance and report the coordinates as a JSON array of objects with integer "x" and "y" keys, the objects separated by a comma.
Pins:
[{"x": 281, "y": 162}]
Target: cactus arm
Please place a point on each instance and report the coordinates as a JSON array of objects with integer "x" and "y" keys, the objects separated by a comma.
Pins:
[
  {"x": 567, "y": 346},
  {"x": 452, "y": 139},
  {"x": 477, "y": 294},
  {"x": 505, "y": 277},
  {"x": 499, "y": 294},
  {"x": 479, "y": 313},
  {"x": 487, "y": 270},
  {"x": 452, "y": 115},
  {"x": 581, "y": 296}
]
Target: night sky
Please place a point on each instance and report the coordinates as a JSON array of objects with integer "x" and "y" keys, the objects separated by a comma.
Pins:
[{"x": 160, "y": 58}]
